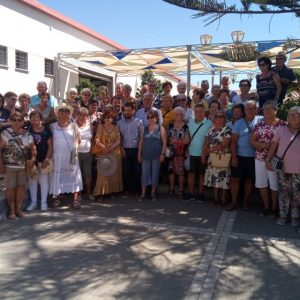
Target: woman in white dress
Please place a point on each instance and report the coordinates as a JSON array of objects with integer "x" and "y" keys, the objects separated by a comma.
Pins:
[{"x": 66, "y": 177}]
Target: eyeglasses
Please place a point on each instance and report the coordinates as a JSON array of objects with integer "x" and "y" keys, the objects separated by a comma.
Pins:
[
  {"x": 64, "y": 110},
  {"x": 261, "y": 65},
  {"x": 151, "y": 117},
  {"x": 14, "y": 99},
  {"x": 252, "y": 98},
  {"x": 17, "y": 120}
]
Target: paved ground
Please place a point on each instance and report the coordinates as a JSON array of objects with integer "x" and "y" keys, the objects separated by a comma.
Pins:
[{"x": 170, "y": 249}]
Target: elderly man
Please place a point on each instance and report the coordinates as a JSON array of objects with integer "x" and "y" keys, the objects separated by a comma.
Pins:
[
  {"x": 243, "y": 97},
  {"x": 148, "y": 104},
  {"x": 205, "y": 88},
  {"x": 287, "y": 76},
  {"x": 42, "y": 88},
  {"x": 215, "y": 93},
  {"x": 225, "y": 82},
  {"x": 181, "y": 88},
  {"x": 119, "y": 92}
]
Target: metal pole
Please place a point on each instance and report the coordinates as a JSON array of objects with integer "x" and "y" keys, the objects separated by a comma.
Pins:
[
  {"x": 188, "y": 85},
  {"x": 220, "y": 77},
  {"x": 57, "y": 77}
]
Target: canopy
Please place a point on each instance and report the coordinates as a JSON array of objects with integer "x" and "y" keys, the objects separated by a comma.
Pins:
[{"x": 184, "y": 60}]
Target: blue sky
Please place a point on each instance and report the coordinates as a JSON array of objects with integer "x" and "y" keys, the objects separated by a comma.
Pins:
[{"x": 155, "y": 23}]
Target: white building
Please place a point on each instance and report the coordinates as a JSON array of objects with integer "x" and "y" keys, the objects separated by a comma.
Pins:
[{"x": 32, "y": 35}]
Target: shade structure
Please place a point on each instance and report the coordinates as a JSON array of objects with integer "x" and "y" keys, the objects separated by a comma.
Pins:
[{"x": 204, "y": 59}]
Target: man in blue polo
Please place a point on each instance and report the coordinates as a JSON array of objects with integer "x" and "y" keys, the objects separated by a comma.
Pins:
[
  {"x": 198, "y": 128},
  {"x": 42, "y": 88}
]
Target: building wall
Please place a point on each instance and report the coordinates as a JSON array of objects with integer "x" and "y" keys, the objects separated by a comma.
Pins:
[{"x": 41, "y": 36}]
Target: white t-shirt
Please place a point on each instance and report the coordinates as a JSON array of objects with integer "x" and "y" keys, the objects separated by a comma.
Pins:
[{"x": 85, "y": 136}]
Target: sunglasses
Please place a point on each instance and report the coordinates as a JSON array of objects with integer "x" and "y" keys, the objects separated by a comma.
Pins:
[
  {"x": 64, "y": 110},
  {"x": 17, "y": 120}
]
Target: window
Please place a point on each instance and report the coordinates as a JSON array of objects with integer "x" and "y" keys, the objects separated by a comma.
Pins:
[
  {"x": 21, "y": 60},
  {"x": 49, "y": 67},
  {"x": 3, "y": 56}
]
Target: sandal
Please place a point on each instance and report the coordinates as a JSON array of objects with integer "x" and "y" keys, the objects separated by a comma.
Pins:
[
  {"x": 179, "y": 194},
  {"x": 56, "y": 203},
  {"x": 231, "y": 208},
  {"x": 76, "y": 204}
]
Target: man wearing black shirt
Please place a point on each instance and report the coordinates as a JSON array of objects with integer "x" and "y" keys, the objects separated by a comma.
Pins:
[{"x": 287, "y": 76}]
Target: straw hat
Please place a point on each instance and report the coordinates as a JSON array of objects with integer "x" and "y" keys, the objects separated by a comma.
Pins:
[
  {"x": 106, "y": 165},
  {"x": 63, "y": 105}
]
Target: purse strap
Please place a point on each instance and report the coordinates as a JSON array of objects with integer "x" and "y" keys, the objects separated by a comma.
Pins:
[
  {"x": 196, "y": 132},
  {"x": 290, "y": 144}
]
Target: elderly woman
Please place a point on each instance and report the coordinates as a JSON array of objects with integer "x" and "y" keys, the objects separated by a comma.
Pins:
[
  {"x": 42, "y": 137},
  {"x": 237, "y": 112},
  {"x": 25, "y": 109},
  {"x": 151, "y": 153},
  {"x": 45, "y": 109},
  {"x": 86, "y": 95},
  {"x": 109, "y": 164},
  {"x": 72, "y": 100},
  {"x": 260, "y": 139},
  {"x": 103, "y": 97},
  {"x": 286, "y": 146},
  {"x": 66, "y": 177},
  {"x": 84, "y": 149},
  {"x": 17, "y": 153},
  {"x": 268, "y": 84},
  {"x": 214, "y": 105},
  {"x": 217, "y": 142},
  {"x": 166, "y": 110},
  {"x": 178, "y": 140}
]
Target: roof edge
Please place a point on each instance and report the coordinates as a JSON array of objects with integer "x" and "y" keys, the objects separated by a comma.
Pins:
[{"x": 55, "y": 14}]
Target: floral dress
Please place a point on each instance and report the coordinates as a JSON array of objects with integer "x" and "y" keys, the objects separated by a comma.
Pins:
[
  {"x": 217, "y": 177},
  {"x": 178, "y": 150}
]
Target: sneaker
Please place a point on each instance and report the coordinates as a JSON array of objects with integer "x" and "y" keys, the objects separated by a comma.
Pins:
[
  {"x": 44, "y": 207},
  {"x": 295, "y": 222},
  {"x": 188, "y": 196},
  {"x": 281, "y": 221},
  {"x": 200, "y": 198},
  {"x": 32, "y": 206}
]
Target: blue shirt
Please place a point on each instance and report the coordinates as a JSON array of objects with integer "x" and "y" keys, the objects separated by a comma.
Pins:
[
  {"x": 131, "y": 131},
  {"x": 142, "y": 114},
  {"x": 240, "y": 128},
  {"x": 196, "y": 145},
  {"x": 35, "y": 99}
]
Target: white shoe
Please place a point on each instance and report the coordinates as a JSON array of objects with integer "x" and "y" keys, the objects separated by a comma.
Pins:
[
  {"x": 31, "y": 206},
  {"x": 44, "y": 207}
]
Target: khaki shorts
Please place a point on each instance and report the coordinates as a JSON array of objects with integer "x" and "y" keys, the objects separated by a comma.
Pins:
[{"x": 14, "y": 178}]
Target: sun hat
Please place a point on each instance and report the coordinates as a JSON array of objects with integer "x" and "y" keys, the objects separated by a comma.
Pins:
[
  {"x": 64, "y": 105},
  {"x": 106, "y": 165}
]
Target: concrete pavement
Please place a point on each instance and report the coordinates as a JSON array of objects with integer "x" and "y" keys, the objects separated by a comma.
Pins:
[{"x": 170, "y": 249}]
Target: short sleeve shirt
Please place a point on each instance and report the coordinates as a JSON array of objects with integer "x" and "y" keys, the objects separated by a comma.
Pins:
[
  {"x": 265, "y": 134},
  {"x": 291, "y": 159},
  {"x": 196, "y": 145},
  {"x": 240, "y": 128},
  {"x": 41, "y": 142}
]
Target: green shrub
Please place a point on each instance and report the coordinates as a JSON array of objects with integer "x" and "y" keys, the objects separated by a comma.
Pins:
[{"x": 292, "y": 99}]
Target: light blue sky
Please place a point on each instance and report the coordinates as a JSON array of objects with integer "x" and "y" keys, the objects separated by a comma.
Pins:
[{"x": 155, "y": 23}]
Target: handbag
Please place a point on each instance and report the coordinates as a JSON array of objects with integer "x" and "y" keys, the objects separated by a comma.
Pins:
[
  {"x": 220, "y": 160},
  {"x": 277, "y": 162}
]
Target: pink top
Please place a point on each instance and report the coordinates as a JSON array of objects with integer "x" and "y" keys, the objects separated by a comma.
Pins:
[{"x": 291, "y": 160}]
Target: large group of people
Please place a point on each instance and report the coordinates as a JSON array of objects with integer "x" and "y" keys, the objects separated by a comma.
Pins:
[{"x": 221, "y": 140}]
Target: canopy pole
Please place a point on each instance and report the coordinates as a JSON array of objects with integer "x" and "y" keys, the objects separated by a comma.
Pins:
[
  {"x": 188, "y": 85},
  {"x": 220, "y": 77},
  {"x": 57, "y": 76}
]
